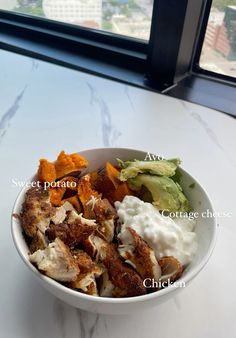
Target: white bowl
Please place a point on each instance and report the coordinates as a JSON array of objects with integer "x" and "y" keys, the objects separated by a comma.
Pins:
[{"x": 205, "y": 228}]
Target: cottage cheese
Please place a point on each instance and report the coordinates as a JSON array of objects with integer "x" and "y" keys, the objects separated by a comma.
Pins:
[{"x": 166, "y": 236}]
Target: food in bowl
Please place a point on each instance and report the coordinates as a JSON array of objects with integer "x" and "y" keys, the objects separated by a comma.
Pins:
[{"x": 108, "y": 232}]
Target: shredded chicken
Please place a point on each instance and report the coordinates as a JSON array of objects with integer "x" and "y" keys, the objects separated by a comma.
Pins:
[
  {"x": 138, "y": 254},
  {"x": 74, "y": 216},
  {"x": 39, "y": 241},
  {"x": 171, "y": 269},
  {"x": 89, "y": 246},
  {"x": 56, "y": 262},
  {"x": 107, "y": 287},
  {"x": 124, "y": 278},
  {"x": 61, "y": 213},
  {"x": 71, "y": 233},
  {"x": 103, "y": 210},
  {"x": 91, "y": 203},
  {"x": 36, "y": 211},
  {"x": 105, "y": 214},
  {"x": 89, "y": 271}
]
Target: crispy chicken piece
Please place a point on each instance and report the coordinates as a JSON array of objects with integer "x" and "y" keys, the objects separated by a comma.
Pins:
[
  {"x": 36, "y": 211},
  {"x": 121, "y": 275},
  {"x": 89, "y": 246},
  {"x": 71, "y": 233},
  {"x": 93, "y": 246},
  {"x": 39, "y": 241},
  {"x": 56, "y": 262},
  {"x": 89, "y": 271},
  {"x": 104, "y": 210},
  {"x": 61, "y": 212},
  {"x": 75, "y": 202},
  {"x": 106, "y": 286},
  {"x": 138, "y": 254},
  {"x": 171, "y": 269},
  {"x": 73, "y": 216},
  {"x": 105, "y": 215}
]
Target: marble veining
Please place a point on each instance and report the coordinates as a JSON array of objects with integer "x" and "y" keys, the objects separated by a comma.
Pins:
[
  {"x": 88, "y": 324},
  {"x": 212, "y": 135},
  {"x": 127, "y": 93},
  {"x": 92, "y": 325},
  {"x": 208, "y": 130},
  {"x": 109, "y": 133},
  {"x": 60, "y": 316},
  {"x": 35, "y": 65},
  {"x": 153, "y": 122},
  {"x": 9, "y": 114}
]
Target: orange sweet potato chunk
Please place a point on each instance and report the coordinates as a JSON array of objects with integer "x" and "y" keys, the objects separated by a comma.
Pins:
[
  {"x": 46, "y": 171},
  {"x": 56, "y": 195},
  {"x": 112, "y": 174},
  {"x": 120, "y": 192},
  {"x": 107, "y": 179},
  {"x": 65, "y": 185},
  {"x": 74, "y": 201},
  {"x": 110, "y": 186},
  {"x": 66, "y": 163},
  {"x": 85, "y": 191}
]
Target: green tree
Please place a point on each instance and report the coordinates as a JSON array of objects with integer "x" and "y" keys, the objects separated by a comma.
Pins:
[
  {"x": 33, "y": 7},
  {"x": 107, "y": 25},
  {"x": 222, "y": 4}
]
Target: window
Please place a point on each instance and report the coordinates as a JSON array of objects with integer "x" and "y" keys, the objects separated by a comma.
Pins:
[
  {"x": 219, "y": 47},
  {"x": 126, "y": 17},
  {"x": 153, "y": 44}
]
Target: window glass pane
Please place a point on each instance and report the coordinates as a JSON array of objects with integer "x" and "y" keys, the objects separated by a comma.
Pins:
[
  {"x": 219, "y": 49},
  {"x": 126, "y": 17}
]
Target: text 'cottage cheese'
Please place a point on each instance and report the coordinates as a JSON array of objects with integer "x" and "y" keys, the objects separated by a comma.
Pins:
[{"x": 166, "y": 236}]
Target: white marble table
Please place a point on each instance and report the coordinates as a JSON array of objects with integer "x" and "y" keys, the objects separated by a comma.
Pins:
[{"x": 46, "y": 108}]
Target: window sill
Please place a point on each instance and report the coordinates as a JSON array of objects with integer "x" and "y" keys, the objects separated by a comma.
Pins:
[
  {"x": 194, "y": 88},
  {"x": 206, "y": 92}
]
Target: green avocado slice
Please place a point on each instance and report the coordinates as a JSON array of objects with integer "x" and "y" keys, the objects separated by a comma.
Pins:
[
  {"x": 131, "y": 169},
  {"x": 166, "y": 194}
]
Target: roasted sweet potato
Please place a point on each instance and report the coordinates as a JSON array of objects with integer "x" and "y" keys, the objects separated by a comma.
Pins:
[
  {"x": 74, "y": 201},
  {"x": 119, "y": 193},
  {"x": 64, "y": 190},
  {"x": 109, "y": 185},
  {"x": 107, "y": 178},
  {"x": 85, "y": 192},
  {"x": 66, "y": 163},
  {"x": 69, "y": 182},
  {"x": 56, "y": 196},
  {"x": 46, "y": 171},
  {"x": 93, "y": 179}
]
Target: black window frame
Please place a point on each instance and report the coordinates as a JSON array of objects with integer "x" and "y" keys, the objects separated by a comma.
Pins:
[
  {"x": 168, "y": 63},
  {"x": 48, "y": 40},
  {"x": 122, "y": 58},
  {"x": 202, "y": 86}
]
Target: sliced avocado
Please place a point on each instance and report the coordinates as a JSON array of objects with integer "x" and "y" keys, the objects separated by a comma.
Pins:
[
  {"x": 131, "y": 169},
  {"x": 166, "y": 194}
]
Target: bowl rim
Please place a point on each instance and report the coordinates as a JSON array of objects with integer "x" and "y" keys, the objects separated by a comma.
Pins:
[{"x": 105, "y": 300}]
